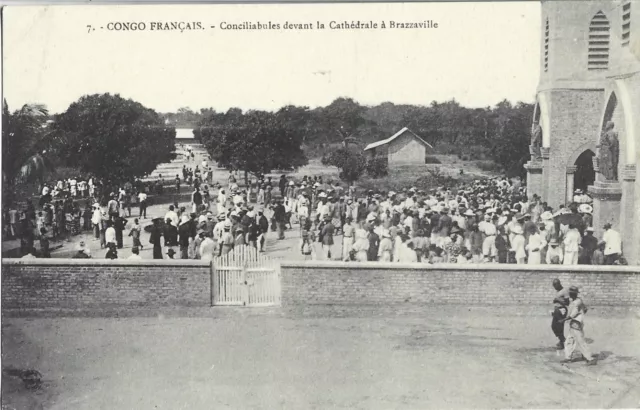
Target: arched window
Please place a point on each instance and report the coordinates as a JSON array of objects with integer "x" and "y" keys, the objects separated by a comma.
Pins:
[
  {"x": 546, "y": 46},
  {"x": 626, "y": 23},
  {"x": 598, "y": 42}
]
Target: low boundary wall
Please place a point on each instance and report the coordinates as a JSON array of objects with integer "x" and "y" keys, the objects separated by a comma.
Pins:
[
  {"x": 368, "y": 283},
  {"x": 104, "y": 284}
]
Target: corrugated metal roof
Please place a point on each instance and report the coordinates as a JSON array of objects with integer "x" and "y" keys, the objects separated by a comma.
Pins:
[{"x": 393, "y": 137}]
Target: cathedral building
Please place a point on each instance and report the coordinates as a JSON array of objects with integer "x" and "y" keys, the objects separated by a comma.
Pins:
[{"x": 586, "y": 125}]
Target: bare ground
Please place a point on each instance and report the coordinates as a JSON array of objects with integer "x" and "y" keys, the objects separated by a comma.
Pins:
[{"x": 320, "y": 358}]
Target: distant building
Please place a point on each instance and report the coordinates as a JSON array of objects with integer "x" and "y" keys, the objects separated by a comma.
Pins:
[
  {"x": 184, "y": 133},
  {"x": 404, "y": 147}
]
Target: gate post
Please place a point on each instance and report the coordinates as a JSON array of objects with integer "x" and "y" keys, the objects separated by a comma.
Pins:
[
  {"x": 245, "y": 286},
  {"x": 215, "y": 288}
]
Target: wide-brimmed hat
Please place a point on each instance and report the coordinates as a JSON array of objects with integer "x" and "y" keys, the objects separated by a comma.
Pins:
[
  {"x": 590, "y": 229},
  {"x": 585, "y": 209},
  {"x": 546, "y": 216},
  {"x": 171, "y": 252},
  {"x": 574, "y": 289},
  {"x": 553, "y": 241},
  {"x": 469, "y": 212},
  {"x": 456, "y": 230}
]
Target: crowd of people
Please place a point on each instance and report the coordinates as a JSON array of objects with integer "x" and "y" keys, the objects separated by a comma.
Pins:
[
  {"x": 485, "y": 221},
  {"x": 481, "y": 222}
]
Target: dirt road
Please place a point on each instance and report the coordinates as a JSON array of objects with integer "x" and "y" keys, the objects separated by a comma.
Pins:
[{"x": 321, "y": 359}]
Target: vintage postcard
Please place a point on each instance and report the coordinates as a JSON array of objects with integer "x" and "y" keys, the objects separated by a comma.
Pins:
[{"x": 321, "y": 206}]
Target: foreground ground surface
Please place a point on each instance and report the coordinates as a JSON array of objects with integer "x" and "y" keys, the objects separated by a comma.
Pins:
[{"x": 320, "y": 358}]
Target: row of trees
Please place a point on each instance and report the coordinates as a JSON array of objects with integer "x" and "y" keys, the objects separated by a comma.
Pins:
[
  {"x": 105, "y": 136},
  {"x": 256, "y": 141},
  {"x": 259, "y": 141}
]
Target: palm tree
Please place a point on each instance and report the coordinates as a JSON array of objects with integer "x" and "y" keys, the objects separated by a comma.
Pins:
[{"x": 23, "y": 144}]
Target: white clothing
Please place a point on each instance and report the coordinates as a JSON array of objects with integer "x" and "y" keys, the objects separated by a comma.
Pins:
[
  {"x": 613, "y": 243},
  {"x": 110, "y": 235},
  {"x": 536, "y": 243},
  {"x": 173, "y": 216}
]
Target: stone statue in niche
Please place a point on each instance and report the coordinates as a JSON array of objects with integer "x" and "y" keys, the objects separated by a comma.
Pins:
[
  {"x": 536, "y": 141},
  {"x": 609, "y": 152}
]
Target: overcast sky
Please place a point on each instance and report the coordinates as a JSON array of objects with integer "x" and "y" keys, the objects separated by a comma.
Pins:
[{"x": 480, "y": 54}]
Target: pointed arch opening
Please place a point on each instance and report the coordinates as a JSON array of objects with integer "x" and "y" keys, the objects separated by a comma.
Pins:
[{"x": 585, "y": 175}]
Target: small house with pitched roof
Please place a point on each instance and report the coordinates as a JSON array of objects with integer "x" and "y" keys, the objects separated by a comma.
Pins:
[{"x": 403, "y": 147}]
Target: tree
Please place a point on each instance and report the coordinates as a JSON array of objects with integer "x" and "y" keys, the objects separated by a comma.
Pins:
[
  {"x": 351, "y": 164},
  {"x": 113, "y": 138},
  {"x": 510, "y": 144},
  {"x": 377, "y": 167},
  {"x": 341, "y": 119},
  {"x": 24, "y": 144},
  {"x": 256, "y": 142}
]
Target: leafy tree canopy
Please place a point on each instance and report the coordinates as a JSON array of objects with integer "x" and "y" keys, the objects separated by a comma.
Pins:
[
  {"x": 255, "y": 141},
  {"x": 113, "y": 138},
  {"x": 352, "y": 164},
  {"x": 23, "y": 138}
]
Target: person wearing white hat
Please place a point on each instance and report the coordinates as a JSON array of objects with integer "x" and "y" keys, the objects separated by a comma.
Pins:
[
  {"x": 222, "y": 202},
  {"x": 518, "y": 244},
  {"x": 96, "y": 220},
  {"x": 83, "y": 251},
  {"x": 361, "y": 245},
  {"x": 489, "y": 250},
  {"x": 571, "y": 243},
  {"x": 555, "y": 255},
  {"x": 226, "y": 242},
  {"x": 385, "y": 248},
  {"x": 534, "y": 247},
  {"x": 588, "y": 245}
]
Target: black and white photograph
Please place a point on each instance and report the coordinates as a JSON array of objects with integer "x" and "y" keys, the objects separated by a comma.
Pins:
[{"x": 423, "y": 205}]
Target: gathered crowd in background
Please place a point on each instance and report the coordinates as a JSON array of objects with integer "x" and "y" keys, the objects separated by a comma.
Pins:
[{"x": 486, "y": 221}]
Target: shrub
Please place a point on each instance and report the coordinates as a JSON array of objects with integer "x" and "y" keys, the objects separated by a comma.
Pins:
[
  {"x": 377, "y": 167},
  {"x": 488, "y": 166},
  {"x": 351, "y": 164},
  {"x": 430, "y": 159}
]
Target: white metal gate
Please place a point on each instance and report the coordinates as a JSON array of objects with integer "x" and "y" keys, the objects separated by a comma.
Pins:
[{"x": 244, "y": 277}]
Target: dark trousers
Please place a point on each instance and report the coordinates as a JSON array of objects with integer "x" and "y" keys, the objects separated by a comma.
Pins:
[
  {"x": 157, "y": 252},
  {"x": 281, "y": 227},
  {"x": 119, "y": 238},
  {"x": 143, "y": 209},
  {"x": 610, "y": 259},
  {"x": 184, "y": 251},
  {"x": 558, "y": 330}
]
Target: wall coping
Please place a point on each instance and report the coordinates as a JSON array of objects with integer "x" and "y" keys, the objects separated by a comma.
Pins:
[
  {"x": 332, "y": 264},
  {"x": 463, "y": 267},
  {"x": 104, "y": 262}
]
